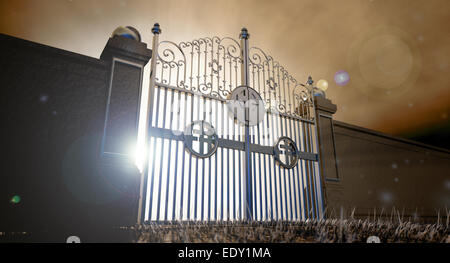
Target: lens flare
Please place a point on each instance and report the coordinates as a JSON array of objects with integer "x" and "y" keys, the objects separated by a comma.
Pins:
[
  {"x": 137, "y": 154},
  {"x": 385, "y": 62},
  {"x": 341, "y": 77},
  {"x": 15, "y": 199},
  {"x": 43, "y": 98}
]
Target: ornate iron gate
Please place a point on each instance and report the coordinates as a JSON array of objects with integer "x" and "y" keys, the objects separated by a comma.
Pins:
[{"x": 207, "y": 163}]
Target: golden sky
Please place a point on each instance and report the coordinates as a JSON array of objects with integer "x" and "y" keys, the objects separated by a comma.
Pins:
[{"x": 397, "y": 52}]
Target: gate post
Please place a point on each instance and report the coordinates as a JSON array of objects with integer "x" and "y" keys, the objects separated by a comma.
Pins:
[
  {"x": 247, "y": 164},
  {"x": 324, "y": 110},
  {"x": 143, "y": 189},
  {"x": 126, "y": 59}
]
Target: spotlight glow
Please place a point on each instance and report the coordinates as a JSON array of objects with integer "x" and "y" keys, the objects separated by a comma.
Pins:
[{"x": 137, "y": 153}]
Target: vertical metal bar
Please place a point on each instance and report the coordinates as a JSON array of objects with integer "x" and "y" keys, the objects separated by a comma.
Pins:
[
  {"x": 162, "y": 156},
  {"x": 296, "y": 186},
  {"x": 240, "y": 178},
  {"x": 169, "y": 146},
  {"x": 260, "y": 170},
  {"x": 274, "y": 122},
  {"x": 299, "y": 170},
  {"x": 190, "y": 166},
  {"x": 196, "y": 168},
  {"x": 290, "y": 176},
  {"x": 268, "y": 167},
  {"x": 222, "y": 163},
  {"x": 234, "y": 172},
  {"x": 292, "y": 179},
  {"x": 308, "y": 177},
  {"x": 227, "y": 122},
  {"x": 170, "y": 151},
  {"x": 263, "y": 135},
  {"x": 286, "y": 205},
  {"x": 282, "y": 134},
  {"x": 253, "y": 176},
  {"x": 215, "y": 166},
  {"x": 231, "y": 152},
  {"x": 209, "y": 167},
  {"x": 192, "y": 118},
  {"x": 176, "y": 157},
  {"x": 292, "y": 199},
  {"x": 183, "y": 159},
  {"x": 236, "y": 134},
  {"x": 260, "y": 180},
  {"x": 203, "y": 165},
  {"x": 287, "y": 171},
  {"x": 221, "y": 149},
  {"x": 280, "y": 191},
  {"x": 148, "y": 124},
  {"x": 253, "y": 140},
  {"x": 198, "y": 117},
  {"x": 280, "y": 122},
  {"x": 293, "y": 135},
  {"x": 316, "y": 204},
  {"x": 248, "y": 170},
  {"x": 215, "y": 126}
]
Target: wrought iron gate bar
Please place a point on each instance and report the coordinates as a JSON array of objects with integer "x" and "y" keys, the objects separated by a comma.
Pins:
[{"x": 230, "y": 144}]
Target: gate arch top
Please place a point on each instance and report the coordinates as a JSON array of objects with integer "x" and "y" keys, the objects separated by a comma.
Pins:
[{"x": 213, "y": 67}]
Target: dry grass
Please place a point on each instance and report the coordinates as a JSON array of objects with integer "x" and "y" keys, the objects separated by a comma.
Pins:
[{"x": 393, "y": 230}]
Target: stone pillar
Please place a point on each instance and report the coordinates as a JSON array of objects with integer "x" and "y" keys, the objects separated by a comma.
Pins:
[
  {"x": 327, "y": 154},
  {"x": 127, "y": 58}
]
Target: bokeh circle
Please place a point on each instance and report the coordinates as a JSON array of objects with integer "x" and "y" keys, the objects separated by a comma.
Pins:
[
  {"x": 341, "y": 78},
  {"x": 385, "y": 62}
]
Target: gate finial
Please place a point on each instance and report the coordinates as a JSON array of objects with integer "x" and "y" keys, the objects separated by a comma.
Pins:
[
  {"x": 244, "y": 33},
  {"x": 156, "y": 29}
]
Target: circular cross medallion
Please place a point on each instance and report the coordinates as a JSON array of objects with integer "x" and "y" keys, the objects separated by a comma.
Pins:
[
  {"x": 200, "y": 139},
  {"x": 286, "y": 152},
  {"x": 246, "y": 105}
]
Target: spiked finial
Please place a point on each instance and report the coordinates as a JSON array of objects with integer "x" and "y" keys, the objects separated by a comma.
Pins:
[
  {"x": 156, "y": 29},
  {"x": 244, "y": 34}
]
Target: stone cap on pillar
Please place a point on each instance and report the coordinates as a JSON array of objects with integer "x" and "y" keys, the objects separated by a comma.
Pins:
[
  {"x": 126, "y": 48},
  {"x": 324, "y": 105}
]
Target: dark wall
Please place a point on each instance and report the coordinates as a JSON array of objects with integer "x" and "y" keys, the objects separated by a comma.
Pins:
[
  {"x": 380, "y": 172},
  {"x": 53, "y": 116}
]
